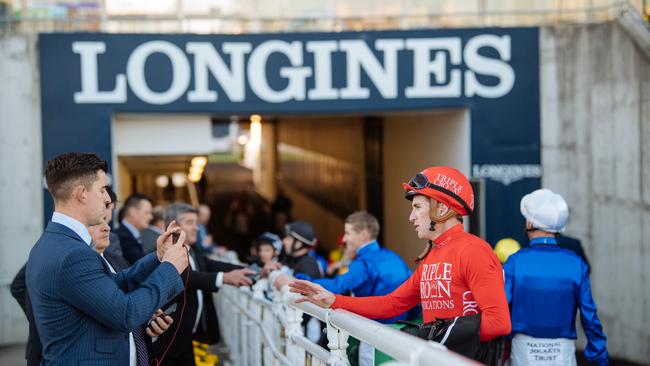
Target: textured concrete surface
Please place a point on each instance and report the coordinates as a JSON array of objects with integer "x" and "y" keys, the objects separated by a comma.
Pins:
[
  {"x": 20, "y": 172},
  {"x": 595, "y": 152}
]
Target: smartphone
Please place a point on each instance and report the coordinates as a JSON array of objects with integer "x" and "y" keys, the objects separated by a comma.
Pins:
[
  {"x": 167, "y": 311},
  {"x": 175, "y": 237},
  {"x": 170, "y": 309}
]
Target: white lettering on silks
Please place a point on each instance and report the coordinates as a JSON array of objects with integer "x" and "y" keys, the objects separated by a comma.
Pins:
[
  {"x": 435, "y": 286},
  {"x": 430, "y": 60}
]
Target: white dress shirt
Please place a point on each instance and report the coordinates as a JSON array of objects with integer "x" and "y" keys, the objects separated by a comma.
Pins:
[{"x": 74, "y": 225}]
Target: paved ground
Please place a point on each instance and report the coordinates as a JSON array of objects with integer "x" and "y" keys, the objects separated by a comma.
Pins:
[
  {"x": 15, "y": 356},
  {"x": 12, "y": 355}
]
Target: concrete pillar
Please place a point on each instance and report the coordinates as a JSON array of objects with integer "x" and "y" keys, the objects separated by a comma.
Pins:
[{"x": 21, "y": 170}]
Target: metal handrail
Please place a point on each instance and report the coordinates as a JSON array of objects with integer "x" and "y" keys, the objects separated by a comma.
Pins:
[
  {"x": 267, "y": 338},
  {"x": 399, "y": 345},
  {"x": 316, "y": 350}
]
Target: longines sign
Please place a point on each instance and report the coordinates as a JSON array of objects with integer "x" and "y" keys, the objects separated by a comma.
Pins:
[
  {"x": 281, "y": 70},
  {"x": 491, "y": 73}
]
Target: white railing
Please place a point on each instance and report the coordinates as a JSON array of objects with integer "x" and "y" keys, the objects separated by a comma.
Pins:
[{"x": 258, "y": 331}]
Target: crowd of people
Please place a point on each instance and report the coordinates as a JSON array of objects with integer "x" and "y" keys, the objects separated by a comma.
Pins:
[{"x": 141, "y": 293}]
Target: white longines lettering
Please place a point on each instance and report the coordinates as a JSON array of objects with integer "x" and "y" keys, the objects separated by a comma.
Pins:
[{"x": 279, "y": 71}]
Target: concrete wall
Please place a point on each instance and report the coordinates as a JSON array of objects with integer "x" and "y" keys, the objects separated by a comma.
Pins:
[
  {"x": 21, "y": 201},
  {"x": 596, "y": 153},
  {"x": 413, "y": 142}
]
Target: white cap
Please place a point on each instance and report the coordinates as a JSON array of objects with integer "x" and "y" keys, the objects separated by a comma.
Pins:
[{"x": 546, "y": 210}]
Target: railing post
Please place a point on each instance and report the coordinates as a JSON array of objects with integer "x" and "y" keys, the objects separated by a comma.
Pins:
[
  {"x": 245, "y": 324},
  {"x": 293, "y": 316},
  {"x": 258, "y": 311},
  {"x": 337, "y": 342}
]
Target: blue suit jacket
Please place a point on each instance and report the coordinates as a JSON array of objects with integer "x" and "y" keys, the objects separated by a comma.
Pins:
[{"x": 83, "y": 312}]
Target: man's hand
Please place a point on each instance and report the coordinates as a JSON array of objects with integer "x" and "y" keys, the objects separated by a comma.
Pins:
[
  {"x": 313, "y": 293},
  {"x": 160, "y": 322},
  {"x": 176, "y": 254},
  {"x": 270, "y": 267},
  {"x": 237, "y": 277},
  {"x": 165, "y": 240}
]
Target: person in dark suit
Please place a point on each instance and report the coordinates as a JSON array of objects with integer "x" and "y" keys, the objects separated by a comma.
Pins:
[
  {"x": 136, "y": 215},
  {"x": 140, "y": 345},
  {"x": 34, "y": 349},
  {"x": 82, "y": 310},
  {"x": 114, "y": 248},
  {"x": 199, "y": 320}
]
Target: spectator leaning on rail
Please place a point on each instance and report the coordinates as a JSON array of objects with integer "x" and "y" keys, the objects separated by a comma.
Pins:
[
  {"x": 545, "y": 285},
  {"x": 459, "y": 273}
]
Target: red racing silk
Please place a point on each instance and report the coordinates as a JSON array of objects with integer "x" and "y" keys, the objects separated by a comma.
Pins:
[{"x": 460, "y": 276}]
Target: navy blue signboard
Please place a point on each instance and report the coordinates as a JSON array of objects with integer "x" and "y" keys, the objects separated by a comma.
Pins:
[{"x": 493, "y": 72}]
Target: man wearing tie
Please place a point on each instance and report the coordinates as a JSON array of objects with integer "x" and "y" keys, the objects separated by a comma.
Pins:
[
  {"x": 83, "y": 311},
  {"x": 135, "y": 217}
]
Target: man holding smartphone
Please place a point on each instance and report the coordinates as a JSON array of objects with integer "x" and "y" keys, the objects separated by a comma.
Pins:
[{"x": 82, "y": 310}]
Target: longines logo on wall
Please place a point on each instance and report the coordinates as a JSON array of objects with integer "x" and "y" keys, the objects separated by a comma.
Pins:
[
  {"x": 507, "y": 173},
  {"x": 441, "y": 67}
]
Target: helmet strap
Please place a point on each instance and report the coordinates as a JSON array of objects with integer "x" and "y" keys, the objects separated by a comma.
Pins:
[
  {"x": 435, "y": 219},
  {"x": 438, "y": 219},
  {"x": 295, "y": 246}
]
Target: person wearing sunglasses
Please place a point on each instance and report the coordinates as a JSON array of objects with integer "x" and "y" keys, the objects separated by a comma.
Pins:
[{"x": 458, "y": 273}]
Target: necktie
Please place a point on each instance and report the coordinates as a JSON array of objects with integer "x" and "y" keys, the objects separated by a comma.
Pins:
[{"x": 140, "y": 347}]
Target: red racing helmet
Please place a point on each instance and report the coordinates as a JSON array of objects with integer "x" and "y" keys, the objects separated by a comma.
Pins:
[{"x": 443, "y": 184}]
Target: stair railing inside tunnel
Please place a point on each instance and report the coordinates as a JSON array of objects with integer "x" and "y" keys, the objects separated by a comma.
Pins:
[{"x": 259, "y": 331}]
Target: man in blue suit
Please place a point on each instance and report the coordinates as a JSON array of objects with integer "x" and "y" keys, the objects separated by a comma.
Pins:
[{"x": 84, "y": 312}]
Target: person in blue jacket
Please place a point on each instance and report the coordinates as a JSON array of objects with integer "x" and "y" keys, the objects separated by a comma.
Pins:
[
  {"x": 375, "y": 271},
  {"x": 545, "y": 285}
]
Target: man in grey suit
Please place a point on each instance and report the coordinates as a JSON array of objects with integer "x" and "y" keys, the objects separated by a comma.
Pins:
[{"x": 82, "y": 310}]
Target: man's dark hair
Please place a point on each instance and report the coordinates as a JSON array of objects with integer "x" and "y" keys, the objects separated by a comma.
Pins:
[
  {"x": 132, "y": 201},
  {"x": 65, "y": 171},
  {"x": 112, "y": 195}
]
